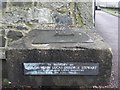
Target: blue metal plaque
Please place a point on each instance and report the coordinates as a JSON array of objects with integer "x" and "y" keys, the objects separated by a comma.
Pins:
[{"x": 61, "y": 68}]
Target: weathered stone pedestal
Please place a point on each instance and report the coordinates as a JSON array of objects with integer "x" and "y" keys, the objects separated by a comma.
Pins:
[
  {"x": 47, "y": 46},
  {"x": 53, "y": 44}
]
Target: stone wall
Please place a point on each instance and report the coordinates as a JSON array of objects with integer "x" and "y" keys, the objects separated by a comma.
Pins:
[
  {"x": 22, "y": 23},
  {"x": 20, "y": 18}
]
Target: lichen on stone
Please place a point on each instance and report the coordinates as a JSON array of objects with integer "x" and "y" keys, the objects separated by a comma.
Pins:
[{"x": 27, "y": 16}]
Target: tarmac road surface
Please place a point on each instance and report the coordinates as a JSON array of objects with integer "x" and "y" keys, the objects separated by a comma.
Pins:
[{"x": 107, "y": 26}]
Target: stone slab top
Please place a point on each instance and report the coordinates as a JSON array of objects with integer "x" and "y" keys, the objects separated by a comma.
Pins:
[{"x": 60, "y": 39}]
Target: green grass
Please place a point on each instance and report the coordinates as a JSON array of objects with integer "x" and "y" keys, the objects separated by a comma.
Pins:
[{"x": 112, "y": 11}]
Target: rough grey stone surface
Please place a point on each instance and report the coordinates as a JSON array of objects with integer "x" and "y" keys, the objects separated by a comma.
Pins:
[
  {"x": 43, "y": 12},
  {"x": 14, "y": 35},
  {"x": 60, "y": 19},
  {"x": 16, "y": 58},
  {"x": 26, "y": 43},
  {"x": 2, "y": 41},
  {"x": 21, "y": 28},
  {"x": 26, "y": 16},
  {"x": 23, "y": 51}
]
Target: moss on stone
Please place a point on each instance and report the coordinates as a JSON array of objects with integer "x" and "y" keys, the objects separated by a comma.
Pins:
[
  {"x": 29, "y": 25},
  {"x": 75, "y": 14},
  {"x": 72, "y": 11},
  {"x": 79, "y": 20},
  {"x": 62, "y": 10}
]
